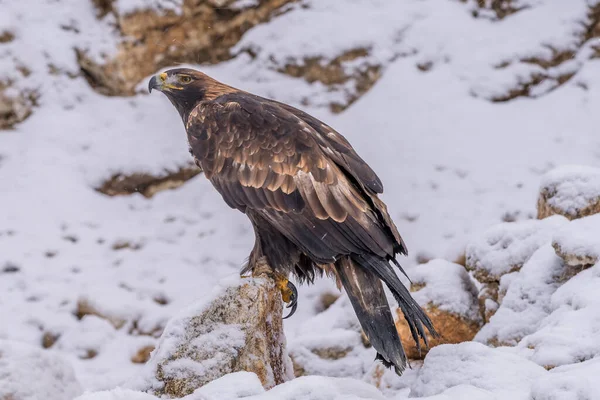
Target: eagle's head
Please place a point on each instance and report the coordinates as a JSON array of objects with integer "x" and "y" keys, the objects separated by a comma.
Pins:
[{"x": 186, "y": 87}]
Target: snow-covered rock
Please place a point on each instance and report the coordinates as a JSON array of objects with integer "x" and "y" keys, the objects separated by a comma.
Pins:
[
  {"x": 15, "y": 106},
  {"x": 238, "y": 327},
  {"x": 503, "y": 249},
  {"x": 184, "y": 32},
  {"x": 572, "y": 382},
  {"x": 572, "y": 191},
  {"x": 496, "y": 371},
  {"x": 569, "y": 333},
  {"x": 578, "y": 243},
  {"x": 449, "y": 297},
  {"x": 527, "y": 299},
  {"x": 330, "y": 344},
  {"x": 30, "y": 373}
]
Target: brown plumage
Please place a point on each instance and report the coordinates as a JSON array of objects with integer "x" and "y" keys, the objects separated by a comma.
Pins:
[{"x": 310, "y": 197}]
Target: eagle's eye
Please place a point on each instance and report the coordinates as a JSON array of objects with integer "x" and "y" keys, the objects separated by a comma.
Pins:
[{"x": 184, "y": 79}]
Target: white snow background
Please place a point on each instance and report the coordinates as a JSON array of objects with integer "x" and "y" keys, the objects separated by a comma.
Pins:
[{"x": 453, "y": 163}]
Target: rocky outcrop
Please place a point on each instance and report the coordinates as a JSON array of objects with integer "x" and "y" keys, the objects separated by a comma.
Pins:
[
  {"x": 559, "y": 64},
  {"x": 237, "y": 328},
  {"x": 571, "y": 191},
  {"x": 30, "y": 373},
  {"x": 337, "y": 73},
  {"x": 146, "y": 184},
  {"x": 195, "y": 32},
  {"x": 445, "y": 291},
  {"x": 504, "y": 249}
]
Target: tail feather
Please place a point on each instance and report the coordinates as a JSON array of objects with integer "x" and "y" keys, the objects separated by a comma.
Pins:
[
  {"x": 415, "y": 316},
  {"x": 372, "y": 309}
]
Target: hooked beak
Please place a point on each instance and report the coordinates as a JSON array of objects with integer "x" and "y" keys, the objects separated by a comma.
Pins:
[{"x": 157, "y": 82}]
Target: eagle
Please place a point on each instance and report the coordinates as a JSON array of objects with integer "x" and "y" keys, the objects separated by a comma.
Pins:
[{"x": 312, "y": 200}]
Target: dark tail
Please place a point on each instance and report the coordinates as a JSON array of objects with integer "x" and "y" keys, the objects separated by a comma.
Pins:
[{"x": 361, "y": 277}]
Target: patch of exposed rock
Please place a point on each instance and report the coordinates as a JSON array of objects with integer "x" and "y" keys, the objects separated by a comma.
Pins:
[
  {"x": 28, "y": 373},
  {"x": 15, "y": 106},
  {"x": 197, "y": 32},
  {"x": 86, "y": 307},
  {"x": 447, "y": 294},
  {"x": 146, "y": 184},
  {"x": 571, "y": 191},
  {"x": 559, "y": 65},
  {"x": 496, "y": 9},
  {"x": 504, "y": 249},
  {"x": 237, "y": 328},
  {"x": 338, "y": 73}
]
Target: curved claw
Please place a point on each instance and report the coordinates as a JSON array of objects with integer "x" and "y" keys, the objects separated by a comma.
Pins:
[{"x": 293, "y": 299}]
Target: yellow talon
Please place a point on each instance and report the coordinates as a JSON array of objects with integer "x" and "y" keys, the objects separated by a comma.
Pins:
[
  {"x": 286, "y": 292},
  {"x": 289, "y": 294}
]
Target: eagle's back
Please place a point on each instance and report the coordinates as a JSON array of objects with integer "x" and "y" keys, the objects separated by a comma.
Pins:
[{"x": 301, "y": 175}]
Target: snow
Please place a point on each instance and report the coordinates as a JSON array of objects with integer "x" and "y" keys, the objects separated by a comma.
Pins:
[
  {"x": 579, "y": 240},
  {"x": 453, "y": 164},
  {"x": 117, "y": 394},
  {"x": 506, "y": 247},
  {"x": 447, "y": 286},
  {"x": 29, "y": 373},
  {"x": 527, "y": 299},
  {"x": 572, "y": 382},
  {"x": 474, "y": 364},
  {"x": 124, "y": 7},
  {"x": 247, "y": 386},
  {"x": 569, "y": 334},
  {"x": 572, "y": 188}
]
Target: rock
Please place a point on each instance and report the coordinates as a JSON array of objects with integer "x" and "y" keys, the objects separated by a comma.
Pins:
[
  {"x": 571, "y": 191},
  {"x": 527, "y": 298},
  {"x": 189, "y": 32},
  {"x": 337, "y": 72},
  {"x": 29, "y": 373},
  {"x": 569, "y": 329},
  {"x": 326, "y": 300},
  {"x": 237, "y": 328},
  {"x": 146, "y": 184},
  {"x": 335, "y": 354},
  {"x": 143, "y": 355},
  {"x": 445, "y": 291},
  {"x": 86, "y": 307},
  {"x": 15, "y": 106},
  {"x": 504, "y": 249},
  {"x": 578, "y": 243},
  {"x": 48, "y": 339},
  {"x": 330, "y": 343}
]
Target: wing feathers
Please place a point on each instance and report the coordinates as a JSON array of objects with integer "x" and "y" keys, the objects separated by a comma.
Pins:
[{"x": 301, "y": 175}]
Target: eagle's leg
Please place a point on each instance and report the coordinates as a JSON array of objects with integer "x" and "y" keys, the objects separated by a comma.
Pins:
[
  {"x": 260, "y": 264},
  {"x": 289, "y": 293}
]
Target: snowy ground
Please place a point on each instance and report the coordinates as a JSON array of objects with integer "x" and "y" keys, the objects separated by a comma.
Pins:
[{"x": 453, "y": 163}]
